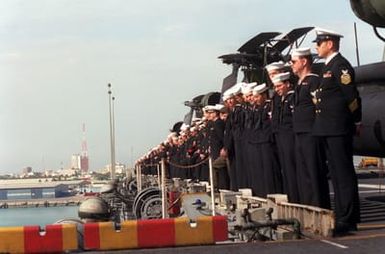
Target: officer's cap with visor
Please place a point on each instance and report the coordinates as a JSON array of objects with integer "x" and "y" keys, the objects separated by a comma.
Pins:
[
  {"x": 324, "y": 34},
  {"x": 219, "y": 107},
  {"x": 210, "y": 108}
]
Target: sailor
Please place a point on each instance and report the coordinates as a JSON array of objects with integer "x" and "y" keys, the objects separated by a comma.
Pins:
[
  {"x": 255, "y": 139},
  {"x": 232, "y": 138},
  {"x": 216, "y": 128},
  {"x": 311, "y": 166},
  {"x": 227, "y": 151},
  {"x": 201, "y": 171},
  {"x": 275, "y": 68},
  {"x": 337, "y": 119},
  {"x": 248, "y": 132},
  {"x": 172, "y": 154},
  {"x": 223, "y": 112},
  {"x": 274, "y": 105},
  {"x": 245, "y": 115},
  {"x": 285, "y": 135}
]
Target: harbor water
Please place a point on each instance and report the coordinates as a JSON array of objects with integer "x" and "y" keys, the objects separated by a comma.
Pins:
[{"x": 36, "y": 216}]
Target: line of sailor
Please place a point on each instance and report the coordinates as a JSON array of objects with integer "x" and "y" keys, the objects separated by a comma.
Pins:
[
  {"x": 252, "y": 142},
  {"x": 268, "y": 142}
]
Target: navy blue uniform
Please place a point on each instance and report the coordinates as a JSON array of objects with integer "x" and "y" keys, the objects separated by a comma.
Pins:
[
  {"x": 285, "y": 144},
  {"x": 311, "y": 166},
  {"x": 234, "y": 143},
  {"x": 337, "y": 108},
  {"x": 216, "y": 131},
  {"x": 228, "y": 142},
  {"x": 216, "y": 138},
  {"x": 253, "y": 152},
  {"x": 272, "y": 177}
]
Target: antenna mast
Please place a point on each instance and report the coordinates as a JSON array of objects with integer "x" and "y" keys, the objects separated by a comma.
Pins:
[{"x": 357, "y": 52}]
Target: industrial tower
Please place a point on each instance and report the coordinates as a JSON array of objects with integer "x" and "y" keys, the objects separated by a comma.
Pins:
[{"x": 84, "y": 163}]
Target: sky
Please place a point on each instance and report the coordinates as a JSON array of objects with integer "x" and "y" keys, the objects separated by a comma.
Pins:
[{"x": 57, "y": 57}]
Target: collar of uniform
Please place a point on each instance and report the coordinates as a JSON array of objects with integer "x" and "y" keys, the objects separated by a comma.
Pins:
[
  {"x": 307, "y": 75},
  {"x": 329, "y": 58},
  {"x": 288, "y": 93}
]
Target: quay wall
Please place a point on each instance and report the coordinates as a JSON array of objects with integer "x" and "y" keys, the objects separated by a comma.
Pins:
[{"x": 51, "y": 202}]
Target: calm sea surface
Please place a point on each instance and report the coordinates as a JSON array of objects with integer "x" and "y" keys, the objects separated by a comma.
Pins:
[{"x": 36, "y": 216}]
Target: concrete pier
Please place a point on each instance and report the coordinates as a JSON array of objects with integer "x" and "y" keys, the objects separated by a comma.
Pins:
[{"x": 51, "y": 202}]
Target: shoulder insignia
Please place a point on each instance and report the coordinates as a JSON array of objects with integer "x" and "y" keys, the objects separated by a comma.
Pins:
[{"x": 346, "y": 79}]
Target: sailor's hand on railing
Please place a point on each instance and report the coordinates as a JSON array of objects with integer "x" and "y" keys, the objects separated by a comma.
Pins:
[{"x": 223, "y": 153}]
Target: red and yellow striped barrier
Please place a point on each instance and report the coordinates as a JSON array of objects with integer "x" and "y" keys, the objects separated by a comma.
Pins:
[
  {"x": 29, "y": 239},
  {"x": 103, "y": 236},
  {"x": 12, "y": 240},
  {"x": 155, "y": 233}
]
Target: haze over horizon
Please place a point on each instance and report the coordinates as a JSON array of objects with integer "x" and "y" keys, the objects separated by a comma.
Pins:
[{"x": 57, "y": 58}]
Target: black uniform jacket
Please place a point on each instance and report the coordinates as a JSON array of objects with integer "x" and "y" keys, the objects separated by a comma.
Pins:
[
  {"x": 304, "y": 108},
  {"x": 216, "y": 132},
  {"x": 285, "y": 117},
  {"x": 337, "y": 102}
]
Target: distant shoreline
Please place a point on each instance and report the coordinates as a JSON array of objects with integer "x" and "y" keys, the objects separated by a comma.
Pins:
[{"x": 42, "y": 202}]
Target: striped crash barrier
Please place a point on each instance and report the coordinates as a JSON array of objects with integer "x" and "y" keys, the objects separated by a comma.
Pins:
[
  {"x": 155, "y": 233},
  {"x": 30, "y": 239}
]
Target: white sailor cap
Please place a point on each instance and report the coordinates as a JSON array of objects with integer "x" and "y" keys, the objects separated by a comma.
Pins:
[
  {"x": 300, "y": 52},
  {"x": 234, "y": 90},
  {"x": 275, "y": 66},
  {"x": 226, "y": 95},
  {"x": 259, "y": 89},
  {"x": 209, "y": 108},
  {"x": 184, "y": 127},
  {"x": 237, "y": 88},
  {"x": 281, "y": 77},
  {"x": 324, "y": 34},
  {"x": 219, "y": 107},
  {"x": 248, "y": 88}
]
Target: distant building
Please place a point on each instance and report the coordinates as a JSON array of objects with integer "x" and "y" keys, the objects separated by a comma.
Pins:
[
  {"x": 37, "y": 189},
  {"x": 75, "y": 161},
  {"x": 68, "y": 172},
  {"x": 49, "y": 172},
  {"x": 33, "y": 191},
  {"x": 80, "y": 162},
  {"x": 119, "y": 168},
  {"x": 27, "y": 170},
  {"x": 84, "y": 164}
]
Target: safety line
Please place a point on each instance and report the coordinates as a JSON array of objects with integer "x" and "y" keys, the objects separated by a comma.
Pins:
[{"x": 335, "y": 244}]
